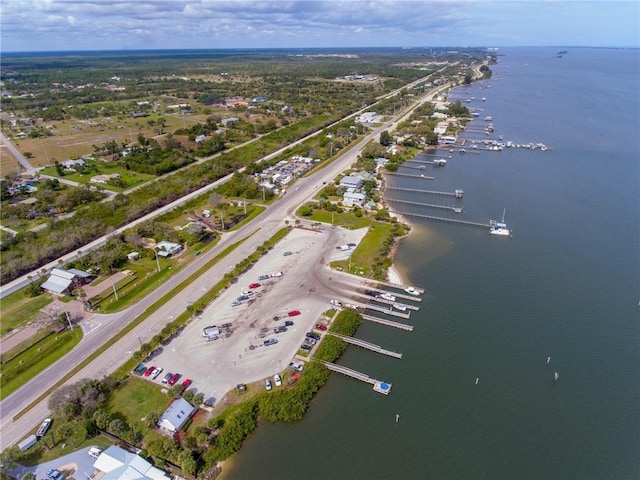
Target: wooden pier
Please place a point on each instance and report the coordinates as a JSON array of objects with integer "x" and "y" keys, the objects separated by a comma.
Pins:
[
  {"x": 387, "y": 311},
  {"x": 450, "y": 220},
  {"x": 430, "y": 205},
  {"x": 415, "y": 308},
  {"x": 389, "y": 323},
  {"x": 456, "y": 194},
  {"x": 369, "y": 346},
  {"x": 424, "y": 177},
  {"x": 363, "y": 377}
]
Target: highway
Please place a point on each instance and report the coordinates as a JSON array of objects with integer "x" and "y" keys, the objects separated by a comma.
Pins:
[{"x": 101, "y": 328}]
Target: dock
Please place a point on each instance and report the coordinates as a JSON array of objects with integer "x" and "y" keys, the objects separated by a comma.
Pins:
[
  {"x": 424, "y": 177},
  {"x": 430, "y": 205},
  {"x": 390, "y": 303},
  {"x": 456, "y": 194},
  {"x": 369, "y": 346},
  {"x": 378, "y": 386},
  {"x": 450, "y": 220},
  {"x": 389, "y": 323},
  {"x": 387, "y": 310}
]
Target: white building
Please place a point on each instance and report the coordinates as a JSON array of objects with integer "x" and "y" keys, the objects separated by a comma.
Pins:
[
  {"x": 166, "y": 249},
  {"x": 176, "y": 415},
  {"x": 351, "y": 182},
  {"x": 353, "y": 199},
  {"x": 118, "y": 464},
  {"x": 367, "y": 117}
]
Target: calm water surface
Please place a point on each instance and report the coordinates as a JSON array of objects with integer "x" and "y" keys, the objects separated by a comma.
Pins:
[{"x": 566, "y": 286}]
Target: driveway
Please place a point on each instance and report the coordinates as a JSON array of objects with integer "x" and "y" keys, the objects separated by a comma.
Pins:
[{"x": 77, "y": 464}]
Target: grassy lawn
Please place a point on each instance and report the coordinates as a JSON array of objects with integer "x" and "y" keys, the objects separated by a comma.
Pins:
[
  {"x": 17, "y": 309},
  {"x": 130, "y": 179},
  {"x": 55, "y": 446},
  {"x": 345, "y": 219},
  {"x": 135, "y": 399},
  {"x": 366, "y": 251},
  {"x": 28, "y": 364}
]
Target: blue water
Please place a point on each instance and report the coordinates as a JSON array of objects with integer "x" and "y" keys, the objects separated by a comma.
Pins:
[{"x": 567, "y": 285}]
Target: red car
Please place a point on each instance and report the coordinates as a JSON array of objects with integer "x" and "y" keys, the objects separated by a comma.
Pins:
[
  {"x": 149, "y": 371},
  {"x": 320, "y": 326},
  {"x": 186, "y": 384},
  {"x": 255, "y": 285},
  {"x": 174, "y": 378},
  {"x": 293, "y": 313}
]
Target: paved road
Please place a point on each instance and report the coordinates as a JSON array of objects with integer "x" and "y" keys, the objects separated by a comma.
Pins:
[
  {"x": 16, "y": 153},
  {"x": 101, "y": 328}
]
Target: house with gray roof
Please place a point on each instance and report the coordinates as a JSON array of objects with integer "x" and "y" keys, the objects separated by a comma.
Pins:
[
  {"x": 174, "y": 417},
  {"x": 351, "y": 182}
]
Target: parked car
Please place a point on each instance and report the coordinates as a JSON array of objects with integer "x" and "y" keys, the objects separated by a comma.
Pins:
[
  {"x": 236, "y": 304},
  {"x": 315, "y": 336},
  {"x": 255, "y": 285},
  {"x": 296, "y": 366},
  {"x": 294, "y": 313},
  {"x": 279, "y": 329},
  {"x": 321, "y": 326},
  {"x": 186, "y": 384},
  {"x": 264, "y": 277},
  {"x": 167, "y": 377},
  {"x": 149, "y": 371},
  {"x": 275, "y": 318},
  {"x": 174, "y": 378},
  {"x": 270, "y": 341},
  {"x": 241, "y": 298},
  {"x": 55, "y": 474},
  {"x": 336, "y": 303},
  {"x": 140, "y": 369},
  {"x": 310, "y": 341},
  {"x": 267, "y": 384},
  {"x": 288, "y": 323},
  {"x": 286, "y": 254},
  {"x": 277, "y": 380},
  {"x": 42, "y": 431},
  {"x": 304, "y": 346},
  {"x": 247, "y": 293},
  {"x": 156, "y": 373},
  {"x": 276, "y": 274}
]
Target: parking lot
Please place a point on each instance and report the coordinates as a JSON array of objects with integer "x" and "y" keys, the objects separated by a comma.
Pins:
[{"x": 239, "y": 354}]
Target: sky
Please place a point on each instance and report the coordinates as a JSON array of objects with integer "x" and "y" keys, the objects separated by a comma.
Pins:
[{"x": 51, "y": 25}]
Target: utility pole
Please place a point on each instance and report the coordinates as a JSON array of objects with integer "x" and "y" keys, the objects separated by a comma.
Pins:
[
  {"x": 115, "y": 292},
  {"x": 68, "y": 318},
  {"x": 157, "y": 260},
  {"x": 244, "y": 202}
]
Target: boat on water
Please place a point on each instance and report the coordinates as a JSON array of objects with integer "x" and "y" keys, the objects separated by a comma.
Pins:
[
  {"x": 412, "y": 291},
  {"x": 441, "y": 162},
  {"x": 387, "y": 296},
  {"x": 556, "y": 376},
  {"x": 400, "y": 306},
  {"x": 499, "y": 228},
  {"x": 488, "y": 118}
]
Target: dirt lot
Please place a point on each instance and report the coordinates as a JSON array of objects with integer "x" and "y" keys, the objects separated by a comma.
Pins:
[{"x": 241, "y": 357}]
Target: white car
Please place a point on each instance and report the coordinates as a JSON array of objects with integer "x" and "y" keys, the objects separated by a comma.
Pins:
[
  {"x": 156, "y": 373},
  {"x": 336, "y": 303},
  {"x": 277, "y": 380},
  {"x": 296, "y": 366},
  {"x": 276, "y": 274},
  {"x": 267, "y": 384}
]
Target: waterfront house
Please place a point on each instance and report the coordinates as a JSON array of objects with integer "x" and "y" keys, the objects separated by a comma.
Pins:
[{"x": 174, "y": 417}]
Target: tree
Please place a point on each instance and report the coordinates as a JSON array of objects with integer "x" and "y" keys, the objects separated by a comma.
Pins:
[
  {"x": 66, "y": 431},
  {"x": 385, "y": 138}
]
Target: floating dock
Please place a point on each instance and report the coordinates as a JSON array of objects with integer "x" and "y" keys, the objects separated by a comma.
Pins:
[
  {"x": 369, "y": 346},
  {"x": 387, "y": 310},
  {"x": 378, "y": 386}
]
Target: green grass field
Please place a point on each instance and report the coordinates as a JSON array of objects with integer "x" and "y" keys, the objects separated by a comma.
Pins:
[
  {"x": 136, "y": 398},
  {"x": 130, "y": 179},
  {"x": 17, "y": 309},
  {"x": 28, "y": 364}
]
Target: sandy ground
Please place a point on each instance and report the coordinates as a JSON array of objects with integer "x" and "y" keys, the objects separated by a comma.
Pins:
[{"x": 240, "y": 356}]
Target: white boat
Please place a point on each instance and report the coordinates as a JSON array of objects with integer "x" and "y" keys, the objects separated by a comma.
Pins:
[
  {"x": 400, "y": 306},
  {"x": 556, "y": 376},
  {"x": 388, "y": 296},
  {"x": 499, "y": 228},
  {"x": 488, "y": 118},
  {"x": 412, "y": 291}
]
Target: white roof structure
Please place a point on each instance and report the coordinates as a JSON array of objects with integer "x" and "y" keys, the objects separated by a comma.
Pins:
[
  {"x": 350, "y": 181},
  {"x": 176, "y": 415},
  {"x": 118, "y": 464},
  {"x": 166, "y": 248},
  {"x": 60, "y": 280}
]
